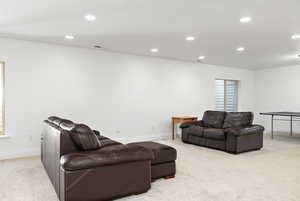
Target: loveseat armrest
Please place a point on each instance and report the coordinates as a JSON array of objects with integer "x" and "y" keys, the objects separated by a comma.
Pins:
[
  {"x": 191, "y": 123},
  {"x": 249, "y": 130},
  {"x": 239, "y": 140},
  {"x": 92, "y": 159}
]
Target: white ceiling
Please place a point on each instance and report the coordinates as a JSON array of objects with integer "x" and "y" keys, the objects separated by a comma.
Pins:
[{"x": 135, "y": 26}]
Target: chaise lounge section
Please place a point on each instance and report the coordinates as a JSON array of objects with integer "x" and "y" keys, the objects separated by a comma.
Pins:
[
  {"x": 83, "y": 165},
  {"x": 232, "y": 132}
]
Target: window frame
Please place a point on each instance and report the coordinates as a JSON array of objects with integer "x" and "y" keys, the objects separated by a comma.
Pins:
[
  {"x": 3, "y": 134},
  {"x": 237, "y": 92}
]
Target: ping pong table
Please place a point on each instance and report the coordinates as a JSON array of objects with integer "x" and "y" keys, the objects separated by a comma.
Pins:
[{"x": 292, "y": 117}]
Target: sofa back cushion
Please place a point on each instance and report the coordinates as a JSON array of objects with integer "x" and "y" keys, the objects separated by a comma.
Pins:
[
  {"x": 238, "y": 119},
  {"x": 213, "y": 119},
  {"x": 84, "y": 137},
  {"x": 53, "y": 118}
]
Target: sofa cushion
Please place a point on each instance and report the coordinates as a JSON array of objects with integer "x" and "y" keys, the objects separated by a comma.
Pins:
[
  {"x": 238, "y": 119},
  {"x": 214, "y": 133},
  {"x": 213, "y": 119},
  {"x": 101, "y": 137},
  {"x": 191, "y": 123},
  {"x": 56, "y": 121},
  {"x": 98, "y": 158},
  {"x": 195, "y": 130},
  {"x": 108, "y": 143},
  {"x": 53, "y": 118},
  {"x": 84, "y": 137},
  {"x": 162, "y": 153}
]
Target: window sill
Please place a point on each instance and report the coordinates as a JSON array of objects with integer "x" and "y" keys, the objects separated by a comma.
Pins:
[{"x": 4, "y": 137}]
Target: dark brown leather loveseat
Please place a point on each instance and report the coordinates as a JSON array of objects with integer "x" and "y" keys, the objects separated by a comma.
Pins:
[
  {"x": 84, "y": 166},
  {"x": 228, "y": 131}
]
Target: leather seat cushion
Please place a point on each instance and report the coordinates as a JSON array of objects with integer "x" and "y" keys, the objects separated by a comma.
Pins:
[
  {"x": 114, "y": 155},
  {"x": 214, "y": 133},
  {"x": 162, "y": 153},
  {"x": 213, "y": 119},
  {"x": 195, "y": 130},
  {"x": 84, "y": 138},
  {"x": 108, "y": 142}
]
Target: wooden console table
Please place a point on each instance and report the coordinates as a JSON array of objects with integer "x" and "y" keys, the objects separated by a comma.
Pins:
[{"x": 177, "y": 120}]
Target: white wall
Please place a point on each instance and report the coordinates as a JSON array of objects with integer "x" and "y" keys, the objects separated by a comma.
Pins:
[
  {"x": 126, "y": 97},
  {"x": 277, "y": 89}
]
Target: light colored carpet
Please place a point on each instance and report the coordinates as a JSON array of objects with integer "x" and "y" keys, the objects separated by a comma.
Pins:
[{"x": 203, "y": 174}]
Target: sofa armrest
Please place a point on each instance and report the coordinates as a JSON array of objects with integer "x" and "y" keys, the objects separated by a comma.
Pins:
[
  {"x": 249, "y": 130},
  {"x": 239, "y": 140},
  {"x": 191, "y": 123},
  {"x": 98, "y": 158}
]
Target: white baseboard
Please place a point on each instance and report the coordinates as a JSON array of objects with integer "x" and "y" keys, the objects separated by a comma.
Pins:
[{"x": 21, "y": 154}]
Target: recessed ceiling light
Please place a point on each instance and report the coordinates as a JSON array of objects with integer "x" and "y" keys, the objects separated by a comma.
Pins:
[
  {"x": 245, "y": 19},
  {"x": 69, "y": 37},
  {"x": 201, "y": 57},
  {"x": 240, "y": 49},
  {"x": 90, "y": 17},
  {"x": 190, "y": 38},
  {"x": 154, "y": 50},
  {"x": 295, "y": 36}
]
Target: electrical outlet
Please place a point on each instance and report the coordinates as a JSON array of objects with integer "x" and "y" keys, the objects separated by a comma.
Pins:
[{"x": 118, "y": 132}]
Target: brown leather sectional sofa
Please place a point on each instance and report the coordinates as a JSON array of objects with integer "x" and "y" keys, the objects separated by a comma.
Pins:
[
  {"x": 232, "y": 132},
  {"x": 85, "y": 166}
]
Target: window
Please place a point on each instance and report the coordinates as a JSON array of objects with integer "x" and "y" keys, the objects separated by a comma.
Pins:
[
  {"x": 2, "y": 124},
  {"x": 227, "y": 95}
]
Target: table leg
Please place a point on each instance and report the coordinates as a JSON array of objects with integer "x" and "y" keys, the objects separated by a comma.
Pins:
[
  {"x": 272, "y": 126},
  {"x": 173, "y": 129},
  {"x": 291, "y": 129}
]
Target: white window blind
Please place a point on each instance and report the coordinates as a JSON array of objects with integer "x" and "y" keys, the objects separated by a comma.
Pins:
[
  {"x": 2, "y": 99},
  {"x": 227, "y": 95}
]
